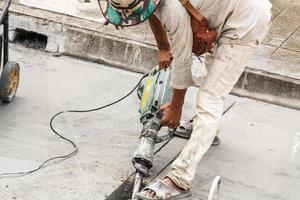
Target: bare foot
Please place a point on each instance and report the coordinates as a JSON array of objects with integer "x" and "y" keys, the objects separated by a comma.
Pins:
[{"x": 167, "y": 181}]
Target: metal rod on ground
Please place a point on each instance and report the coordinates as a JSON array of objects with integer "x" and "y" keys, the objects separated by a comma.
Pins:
[
  {"x": 225, "y": 111},
  {"x": 215, "y": 189}
]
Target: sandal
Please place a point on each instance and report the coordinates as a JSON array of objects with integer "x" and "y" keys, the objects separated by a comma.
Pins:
[
  {"x": 184, "y": 129},
  {"x": 162, "y": 192}
]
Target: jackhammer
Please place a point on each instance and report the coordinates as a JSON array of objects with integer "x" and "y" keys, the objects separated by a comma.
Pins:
[{"x": 153, "y": 92}]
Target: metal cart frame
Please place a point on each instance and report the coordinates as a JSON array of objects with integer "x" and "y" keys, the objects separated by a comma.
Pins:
[{"x": 9, "y": 71}]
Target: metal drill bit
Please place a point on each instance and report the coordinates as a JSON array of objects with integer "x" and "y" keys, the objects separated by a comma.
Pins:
[{"x": 137, "y": 184}]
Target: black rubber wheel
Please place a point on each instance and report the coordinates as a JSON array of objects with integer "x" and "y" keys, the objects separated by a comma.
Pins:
[{"x": 9, "y": 81}]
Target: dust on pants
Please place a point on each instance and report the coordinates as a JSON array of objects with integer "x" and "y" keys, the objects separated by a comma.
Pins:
[{"x": 224, "y": 67}]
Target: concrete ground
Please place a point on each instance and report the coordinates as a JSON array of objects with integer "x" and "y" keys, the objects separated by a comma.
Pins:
[{"x": 258, "y": 159}]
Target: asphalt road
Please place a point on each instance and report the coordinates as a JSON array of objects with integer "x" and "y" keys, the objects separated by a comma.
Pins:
[{"x": 258, "y": 159}]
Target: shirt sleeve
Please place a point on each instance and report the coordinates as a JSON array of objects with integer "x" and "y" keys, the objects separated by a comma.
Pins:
[{"x": 176, "y": 21}]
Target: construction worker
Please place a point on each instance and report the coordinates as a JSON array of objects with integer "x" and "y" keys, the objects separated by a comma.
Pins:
[{"x": 241, "y": 26}]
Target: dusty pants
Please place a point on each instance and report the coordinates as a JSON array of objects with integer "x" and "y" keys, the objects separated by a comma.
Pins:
[{"x": 224, "y": 67}]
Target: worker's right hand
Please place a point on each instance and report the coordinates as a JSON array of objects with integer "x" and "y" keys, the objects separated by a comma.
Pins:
[
  {"x": 172, "y": 111},
  {"x": 172, "y": 115},
  {"x": 164, "y": 58}
]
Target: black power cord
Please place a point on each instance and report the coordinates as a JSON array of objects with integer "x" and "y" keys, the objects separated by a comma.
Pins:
[{"x": 75, "y": 150}]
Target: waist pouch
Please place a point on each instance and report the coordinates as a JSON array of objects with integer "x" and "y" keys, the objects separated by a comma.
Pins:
[{"x": 203, "y": 36}]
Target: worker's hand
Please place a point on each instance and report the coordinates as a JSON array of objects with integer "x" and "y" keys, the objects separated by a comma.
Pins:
[
  {"x": 172, "y": 115},
  {"x": 164, "y": 58}
]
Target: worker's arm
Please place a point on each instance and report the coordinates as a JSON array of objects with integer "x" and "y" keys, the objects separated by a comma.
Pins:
[
  {"x": 173, "y": 110},
  {"x": 164, "y": 52}
]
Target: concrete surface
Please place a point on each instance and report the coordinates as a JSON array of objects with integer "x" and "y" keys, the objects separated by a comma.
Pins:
[
  {"x": 259, "y": 156},
  {"x": 87, "y": 9},
  {"x": 73, "y": 28},
  {"x": 106, "y": 139}
]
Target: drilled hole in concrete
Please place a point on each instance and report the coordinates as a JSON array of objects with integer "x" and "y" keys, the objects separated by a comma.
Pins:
[
  {"x": 124, "y": 191},
  {"x": 31, "y": 39}
]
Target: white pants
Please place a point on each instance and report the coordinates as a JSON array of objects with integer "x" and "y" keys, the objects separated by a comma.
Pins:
[{"x": 224, "y": 67}]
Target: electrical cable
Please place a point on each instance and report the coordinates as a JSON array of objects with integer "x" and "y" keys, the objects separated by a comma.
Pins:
[
  {"x": 224, "y": 112},
  {"x": 75, "y": 148}
]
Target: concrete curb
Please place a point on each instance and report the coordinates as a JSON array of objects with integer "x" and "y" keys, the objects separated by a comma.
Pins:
[
  {"x": 85, "y": 39},
  {"x": 272, "y": 88},
  {"x": 91, "y": 40}
]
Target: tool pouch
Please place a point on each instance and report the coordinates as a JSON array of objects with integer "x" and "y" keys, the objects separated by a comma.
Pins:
[{"x": 203, "y": 36}]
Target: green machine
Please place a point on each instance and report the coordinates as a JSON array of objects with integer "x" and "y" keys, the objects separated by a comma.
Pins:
[{"x": 154, "y": 91}]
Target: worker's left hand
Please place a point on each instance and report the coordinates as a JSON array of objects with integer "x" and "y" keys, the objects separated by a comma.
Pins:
[{"x": 172, "y": 115}]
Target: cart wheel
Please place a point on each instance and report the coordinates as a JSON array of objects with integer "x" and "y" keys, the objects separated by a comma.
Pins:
[{"x": 9, "y": 81}]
